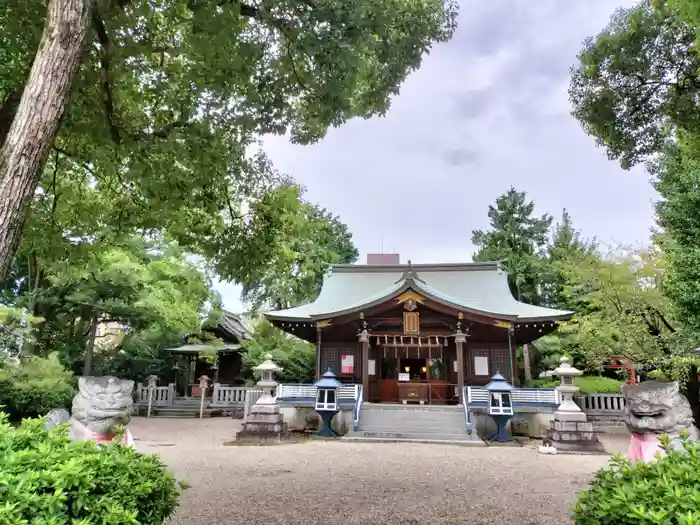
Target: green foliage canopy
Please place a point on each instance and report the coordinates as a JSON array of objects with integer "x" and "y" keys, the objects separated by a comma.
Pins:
[
  {"x": 637, "y": 82},
  {"x": 173, "y": 94}
]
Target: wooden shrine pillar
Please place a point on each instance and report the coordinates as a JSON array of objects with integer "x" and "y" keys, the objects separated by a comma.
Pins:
[
  {"x": 363, "y": 339},
  {"x": 318, "y": 353},
  {"x": 460, "y": 340}
]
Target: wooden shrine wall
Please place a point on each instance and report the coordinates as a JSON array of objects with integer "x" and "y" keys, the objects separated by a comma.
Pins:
[
  {"x": 332, "y": 355},
  {"x": 483, "y": 360}
]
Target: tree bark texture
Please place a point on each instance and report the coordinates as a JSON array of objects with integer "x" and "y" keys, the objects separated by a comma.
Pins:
[
  {"x": 527, "y": 363},
  {"x": 35, "y": 124},
  {"x": 90, "y": 348}
]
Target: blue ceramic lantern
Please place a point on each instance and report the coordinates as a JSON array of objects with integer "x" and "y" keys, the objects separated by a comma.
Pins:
[
  {"x": 500, "y": 405},
  {"x": 327, "y": 405}
]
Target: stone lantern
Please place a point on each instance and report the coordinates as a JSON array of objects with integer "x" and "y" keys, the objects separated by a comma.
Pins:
[
  {"x": 203, "y": 385},
  {"x": 264, "y": 422},
  {"x": 570, "y": 431},
  {"x": 500, "y": 405},
  {"x": 327, "y": 405},
  {"x": 267, "y": 383},
  {"x": 567, "y": 389},
  {"x": 152, "y": 385}
]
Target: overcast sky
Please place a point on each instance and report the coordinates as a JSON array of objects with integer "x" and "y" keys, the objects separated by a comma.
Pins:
[{"x": 486, "y": 111}]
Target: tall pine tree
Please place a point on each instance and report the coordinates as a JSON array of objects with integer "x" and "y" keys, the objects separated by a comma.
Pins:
[
  {"x": 517, "y": 238},
  {"x": 565, "y": 246}
]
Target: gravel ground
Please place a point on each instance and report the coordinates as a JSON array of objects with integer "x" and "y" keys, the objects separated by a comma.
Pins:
[{"x": 360, "y": 483}]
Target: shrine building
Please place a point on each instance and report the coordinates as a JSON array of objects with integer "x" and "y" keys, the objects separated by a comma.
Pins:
[{"x": 417, "y": 332}]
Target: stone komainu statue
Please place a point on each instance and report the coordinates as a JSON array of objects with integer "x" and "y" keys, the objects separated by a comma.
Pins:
[
  {"x": 100, "y": 407},
  {"x": 654, "y": 408}
]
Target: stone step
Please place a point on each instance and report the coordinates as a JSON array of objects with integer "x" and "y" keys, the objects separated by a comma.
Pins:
[
  {"x": 411, "y": 417},
  {"x": 414, "y": 437},
  {"x": 448, "y": 429},
  {"x": 179, "y": 415},
  {"x": 177, "y": 412},
  {"x": 366, "y": 407},
  {"x": 412, "y": 422}
]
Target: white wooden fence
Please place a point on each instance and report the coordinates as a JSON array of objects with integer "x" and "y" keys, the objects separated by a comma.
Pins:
[
  {"x": 225, "y": 396},
  {"x": 162, "y": 395}
]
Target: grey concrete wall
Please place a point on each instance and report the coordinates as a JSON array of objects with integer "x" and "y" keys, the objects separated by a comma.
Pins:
[
  {"x": 304, "y": 418},
  {"x": 537, "y": 424}
]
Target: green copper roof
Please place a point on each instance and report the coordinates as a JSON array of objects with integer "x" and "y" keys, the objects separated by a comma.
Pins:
[{"x": 472, "y": 287}]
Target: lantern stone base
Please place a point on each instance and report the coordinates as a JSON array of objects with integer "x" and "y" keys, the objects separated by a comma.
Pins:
[
  {"x": 574, "y": 437},
  {"x": 570, "y": 416},
  {"x": 265, "y": 424}
]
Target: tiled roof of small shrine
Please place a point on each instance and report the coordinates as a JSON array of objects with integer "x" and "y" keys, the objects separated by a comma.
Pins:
[{"x": 480, "y": 288}]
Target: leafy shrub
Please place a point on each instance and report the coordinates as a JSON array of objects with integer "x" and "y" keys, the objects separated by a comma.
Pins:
[
  {"x": 45, "y": 479},
  {"x": 35, "y": 386},
  {"x": 587, "y": 384},
  {"x": 663, "y": 492},
  {"x": 598, "y": 384}
]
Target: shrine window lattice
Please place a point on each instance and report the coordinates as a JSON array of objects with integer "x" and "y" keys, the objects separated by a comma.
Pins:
[
  {"x": 332, "y": 356},
  {"x": 497, "y": 361}
]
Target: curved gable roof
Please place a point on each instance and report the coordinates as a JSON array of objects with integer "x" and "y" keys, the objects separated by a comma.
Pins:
[{"x": 473, "y": 287}]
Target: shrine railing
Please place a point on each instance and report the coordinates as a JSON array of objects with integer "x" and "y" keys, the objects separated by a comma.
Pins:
[
  {"x": 524, "y": 397},
  {"x": 347, "y": 394},
  {"x": 162, "y": 395},
  {"x": 607, "y": 404},
  {"x": 358, "y": 407},
  {"x": 467, "y": 413},
  {"x": 228, "y": 395},
  {"x": 251, "y": 396}
]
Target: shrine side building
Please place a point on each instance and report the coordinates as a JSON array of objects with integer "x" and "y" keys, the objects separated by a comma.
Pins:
[{"x": 417, "y": 332}]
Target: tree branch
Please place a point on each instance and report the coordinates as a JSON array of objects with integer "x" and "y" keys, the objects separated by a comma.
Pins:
[{"x": 106, "y": 73}]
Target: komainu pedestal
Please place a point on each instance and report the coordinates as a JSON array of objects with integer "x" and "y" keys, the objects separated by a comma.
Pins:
[{"x": 574, "y": 436}]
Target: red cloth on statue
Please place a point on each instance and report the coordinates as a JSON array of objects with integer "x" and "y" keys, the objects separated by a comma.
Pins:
[
  {"x": 127, "y": 440},
  {"x": 643, "y": 447}
]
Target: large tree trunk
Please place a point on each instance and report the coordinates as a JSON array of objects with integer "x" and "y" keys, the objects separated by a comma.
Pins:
[
  {"x": 692, "y": 392},
  {"x": 90, "y": 350},
  {"x": 36, "y": 121}
]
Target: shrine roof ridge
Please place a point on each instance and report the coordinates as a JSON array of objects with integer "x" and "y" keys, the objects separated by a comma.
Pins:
[{"x": 422, "y": 267}]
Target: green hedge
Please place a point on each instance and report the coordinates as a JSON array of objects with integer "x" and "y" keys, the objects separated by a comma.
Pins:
[
  {"x": 663, "y": 492},
  {"x": 587, "y": 384},
  {"x": 35, "y": 386},
  {"x": 47, "y": 480}
]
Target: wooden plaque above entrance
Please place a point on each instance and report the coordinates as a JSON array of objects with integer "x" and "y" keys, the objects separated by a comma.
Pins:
[{"x": 411, "y": 323}]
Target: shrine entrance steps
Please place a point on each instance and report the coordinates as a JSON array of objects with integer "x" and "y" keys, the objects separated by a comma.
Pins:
[
  {"x": 182, "y": 408},
  {"x": 413, "y": 423}
]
